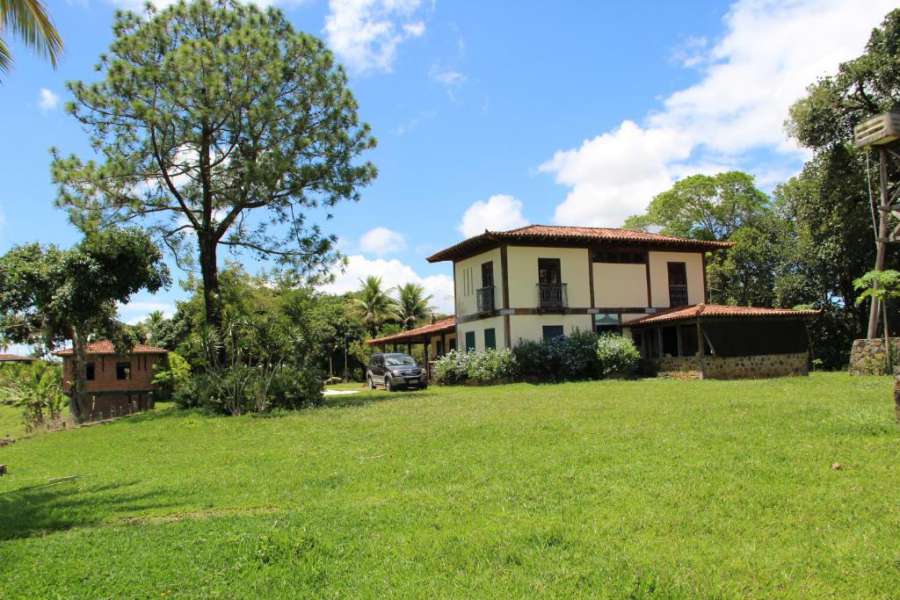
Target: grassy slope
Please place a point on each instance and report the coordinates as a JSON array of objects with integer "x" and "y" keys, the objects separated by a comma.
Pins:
[{"x": 660, "y": 489}]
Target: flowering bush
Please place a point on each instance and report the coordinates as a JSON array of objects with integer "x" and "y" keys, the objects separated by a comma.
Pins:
[
  {"x": 490, "y": 366},
  {"x": 570, "y": 357},
  {"x": 617, "y": 356}
]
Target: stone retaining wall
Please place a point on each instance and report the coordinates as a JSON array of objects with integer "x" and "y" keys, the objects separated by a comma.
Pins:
[
  {"x": 867, "y": 357},
  {"x": 736, "y": 367}
]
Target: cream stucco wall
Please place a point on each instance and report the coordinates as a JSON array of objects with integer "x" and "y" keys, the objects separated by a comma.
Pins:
[
  {"x": 523, "y": 274},
  {"x": 478, "y": 327},
  {"x": 619, "y": 285},
  {"x": 659, "y": 276},
  {"x": 531, "y": 327},
  {"x": 467, "y": 274}
]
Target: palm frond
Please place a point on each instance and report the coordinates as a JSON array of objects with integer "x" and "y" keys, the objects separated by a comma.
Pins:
[{"x": 29, "y": 21}]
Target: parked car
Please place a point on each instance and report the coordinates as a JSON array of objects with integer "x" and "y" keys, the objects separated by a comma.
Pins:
[{"x": 394, "y": 371}]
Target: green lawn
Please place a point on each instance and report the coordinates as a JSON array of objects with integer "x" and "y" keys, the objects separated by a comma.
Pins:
[{"x": 646, "y": 489}]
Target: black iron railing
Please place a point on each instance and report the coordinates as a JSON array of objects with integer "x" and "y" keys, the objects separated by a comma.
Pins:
[
  {"x": 552, "y": 295},
  {"x": 485, "y": 299}
]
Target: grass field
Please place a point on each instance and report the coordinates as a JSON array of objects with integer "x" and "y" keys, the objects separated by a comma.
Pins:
[{"x": 646, "y": 489}]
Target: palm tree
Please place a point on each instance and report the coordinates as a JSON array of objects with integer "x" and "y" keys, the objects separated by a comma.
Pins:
[
  {"x": 374, "y": 304},
  {"x": 29, "y": 21},
  {"x": 413, "y": 305}
]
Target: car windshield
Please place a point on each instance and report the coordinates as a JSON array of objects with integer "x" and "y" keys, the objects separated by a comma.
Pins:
[{"x": 397, "y": 360}]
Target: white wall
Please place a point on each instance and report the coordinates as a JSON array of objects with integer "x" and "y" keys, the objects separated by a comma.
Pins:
[
  {"x": 468, "y": 279},
  {"x": 659, "y": 276},
  {"x": 523, "y": 274},
  {"x": 478, "y": 327},
  {"x": 530, "y": 327},
  {"x": 618, "y": 285}
]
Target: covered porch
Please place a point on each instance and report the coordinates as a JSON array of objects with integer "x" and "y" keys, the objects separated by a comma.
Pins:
[
  {"x": 436, "y": 339},
  {"x": 709, "y": 341}
]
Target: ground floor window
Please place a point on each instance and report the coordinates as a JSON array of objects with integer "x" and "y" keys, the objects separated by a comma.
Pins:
[
  {"x": 89, "y": 372},
  {"x": 452, "y": 344},
  {"x": 440, "y": 347},
  {"x": 490, "y": 339},
  {"x": 470, "y": 341},
  {"x": 669, "y": 341},
  {"x": 551, "y": 332},
  {"x": 607, "y": 323}
]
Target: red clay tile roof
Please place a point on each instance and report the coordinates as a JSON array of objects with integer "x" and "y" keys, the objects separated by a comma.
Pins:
[
  {"x": 685, "y": 313},
  {"x": 106, "y": 347},
  {"x": 15, "y": 358},
  {"x": 442, "y": 326},
  {"x": 557, "y": 234}
]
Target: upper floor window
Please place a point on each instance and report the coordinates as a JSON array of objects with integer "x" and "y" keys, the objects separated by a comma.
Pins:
[
  {"x": 123, "y": 370},
  {"x": 678, "y": 289}
]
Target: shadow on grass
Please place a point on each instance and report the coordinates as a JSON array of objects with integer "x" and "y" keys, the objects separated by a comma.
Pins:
[{"x": 62, "y": 505}]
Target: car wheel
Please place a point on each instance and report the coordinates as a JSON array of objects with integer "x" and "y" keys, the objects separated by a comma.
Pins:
[
  {"x": 388, "y": 384},
  {"x": 371, "y": 383},
  {"x": 424, "y": 386}
]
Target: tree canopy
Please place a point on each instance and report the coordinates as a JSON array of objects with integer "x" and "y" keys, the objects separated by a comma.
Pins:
[
  {"x": 217, "y": 124},
  {"x": 53, "y": 295}
]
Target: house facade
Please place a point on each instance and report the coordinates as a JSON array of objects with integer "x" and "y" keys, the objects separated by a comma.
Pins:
[
  {"x": 540, "y": 282},
  {"x": 116, "y": 384}
]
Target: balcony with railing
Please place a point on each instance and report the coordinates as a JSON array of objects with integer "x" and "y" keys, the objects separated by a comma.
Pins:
[
  {"x": 485, "y": 299},
  {"x": 552, "y": 296}
]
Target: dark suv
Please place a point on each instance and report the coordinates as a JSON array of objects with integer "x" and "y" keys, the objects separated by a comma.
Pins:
[{"x": 395, "y": 371}]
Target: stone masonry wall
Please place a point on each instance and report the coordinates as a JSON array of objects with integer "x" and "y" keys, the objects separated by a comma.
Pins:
[
  {"x": 737, "y": 367},
  {"x": 867, "y": 357}
]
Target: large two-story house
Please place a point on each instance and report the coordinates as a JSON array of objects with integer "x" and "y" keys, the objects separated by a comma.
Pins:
[{"x": 541, "y": 282}]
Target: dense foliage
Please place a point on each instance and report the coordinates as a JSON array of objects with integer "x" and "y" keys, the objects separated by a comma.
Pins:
[
  {"x": 49, "y": 295},
  {"x": 36, "y": 388},
  {"x": 580, "y": 355}
]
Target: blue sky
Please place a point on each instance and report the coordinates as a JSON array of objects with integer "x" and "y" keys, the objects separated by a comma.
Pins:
[{"x": 492, "y": 114}]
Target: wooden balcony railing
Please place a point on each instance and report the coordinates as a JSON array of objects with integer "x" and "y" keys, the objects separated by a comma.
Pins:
[
  {"x": 485, "y": 299},
  {"x": 552, "y": 296}
]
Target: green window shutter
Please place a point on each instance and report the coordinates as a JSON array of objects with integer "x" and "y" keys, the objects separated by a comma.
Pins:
[
  {"x": 470, "y": 341},
  {"x": 490, "y": 339}
]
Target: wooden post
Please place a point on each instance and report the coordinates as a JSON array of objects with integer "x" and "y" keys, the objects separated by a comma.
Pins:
[{"x": 884, "y": 211}]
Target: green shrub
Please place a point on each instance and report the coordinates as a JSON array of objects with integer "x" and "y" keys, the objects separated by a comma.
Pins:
[
  {"x": 240, "y": 389},
  {"x": 451, "y": 368},
  {"x": 617, "y": 356},
  {"x": 491, "y": 366},
  {"x": 564, "y": 358},
  {"x": 36, "y": 388},
  {"x": 174, "y": 374}
]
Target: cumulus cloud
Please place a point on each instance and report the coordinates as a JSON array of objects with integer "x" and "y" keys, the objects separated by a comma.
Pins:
[
  {"x": 381, "y": 241},
  {"x": 393, "y": 273},
  {"x": 770, "y": 53},
  {"x": 47, "y": 100},
  {"x": 365, "y": 34},
  {"x": 497, "y": 213}
]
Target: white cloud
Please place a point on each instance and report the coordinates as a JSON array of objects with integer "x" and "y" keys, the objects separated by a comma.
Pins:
[
  {"x": 365, "y": 34},
  {"x": 381, "y": 241},
  {"x": 771, "y": 51},
  {"x": 497, "y": 213},
  {"x": 137, "y": 310},
  {"x": 47, "y": 100},
  {"x": 446, "y": 77},
  {"x": 393, "y": 273},
  {"x": 138, "y": 5}
]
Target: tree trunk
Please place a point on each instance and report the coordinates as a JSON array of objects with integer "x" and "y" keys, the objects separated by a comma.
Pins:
[
  {"x": 212, "y": 298},
  {"x": 78, "y": 402}
]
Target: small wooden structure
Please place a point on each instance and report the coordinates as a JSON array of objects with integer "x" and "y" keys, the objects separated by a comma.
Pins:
[
  {"x": 117, "y": 384},
  {"x": 882, "y": 132},
  {"x": 437, "y": 338}
]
